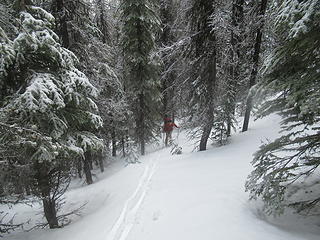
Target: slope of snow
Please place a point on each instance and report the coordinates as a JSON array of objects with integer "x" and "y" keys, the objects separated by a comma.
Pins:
[{"x": 196, "y": 195}]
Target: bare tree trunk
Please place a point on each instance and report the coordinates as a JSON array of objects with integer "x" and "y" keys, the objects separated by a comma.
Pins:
[
  {"x": 166, "y": 39},
  {"x": 49, "y": 206},
  {"x": 211, "y": 82},
  {"x": 123, "y": 147},
  {"x": 254, "y": 70},
  {"x": 204, "y": 138},
  {"x": 114, "y": 142},
  {"x": 100, "y": 161},
  {"x": 235, "y": 57},
  {"x": 86, "y": 167},
  {"x": 79, "y": 167},
  {"x": 44, "y": 186},
  {"x": 90, "y": 160},
  {"x": 141, "y": 124}
]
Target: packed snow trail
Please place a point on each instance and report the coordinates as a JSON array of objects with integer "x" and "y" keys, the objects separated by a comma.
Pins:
[
  {"x": 125, "y": 222},
  {"x": 193, "y": 196}
]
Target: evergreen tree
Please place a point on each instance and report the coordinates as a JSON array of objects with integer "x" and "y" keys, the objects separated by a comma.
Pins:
[
  {"x": 166, "y": 39},
  {"x": 50, "y": 116},
  {"x": 140, "y": 24},
  {"x": 235, "y": 63},
  {"x": 255, "y": 59},
  {"x": 108, "y": 65},
  {"x": 201, "y": 55},
  {"x": 285, "y": 168}
]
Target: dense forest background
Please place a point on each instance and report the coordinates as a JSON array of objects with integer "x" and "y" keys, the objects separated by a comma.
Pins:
[{"x": 83, "y": 81}]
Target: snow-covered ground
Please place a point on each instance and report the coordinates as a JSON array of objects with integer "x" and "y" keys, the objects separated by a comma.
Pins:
[{"x": 193, "y": 196}]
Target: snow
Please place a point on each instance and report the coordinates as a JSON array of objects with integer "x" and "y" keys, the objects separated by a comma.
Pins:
[{"x": 195, "y": 195}]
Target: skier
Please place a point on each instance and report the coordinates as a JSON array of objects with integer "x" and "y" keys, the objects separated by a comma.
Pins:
[{"x": 168, "y": 128}]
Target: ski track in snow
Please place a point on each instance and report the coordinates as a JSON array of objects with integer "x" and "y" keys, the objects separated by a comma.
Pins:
[{"x": 127, "y": 218}]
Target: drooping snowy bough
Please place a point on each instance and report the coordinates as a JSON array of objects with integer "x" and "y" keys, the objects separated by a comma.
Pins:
[
  {"x": 287, "y": 170},
  {"x": 47, "y": 115}
]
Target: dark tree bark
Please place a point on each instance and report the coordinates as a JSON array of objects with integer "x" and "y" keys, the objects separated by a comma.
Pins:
[
  {"x": 100, "y": 161},
  {"x": 255, "y": 64},
  {"x": 168, "y": 76},
  {"x": 202, "y": 57},
  {"x": 141, "y": 124},
  {"x": 60, "y": 14},
  {"x": 22, "y": 5},
  {"x": 235, "y": 57},
  {"x": 211, "y": 81},
  {"x": 102, "y": 22},
  {"x": 49, "y": 206},
  {"x": 204, "y": 138},
  {"x": 79, "y": 167},
  {"x": 123, "y": 147},
  {"x": 114, "y": 142},
  {"x": 87, "y": 168},
  {"x": 42, "y": 177}
]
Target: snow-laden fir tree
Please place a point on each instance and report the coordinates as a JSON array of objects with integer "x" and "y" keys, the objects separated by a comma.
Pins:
[
  {"x": 234, "y": 66},
  {"x": 107, "y": 62},
  {"x": 139, "y": 26},
  {"x": 257, "y": 29},
  {"x": 50, "y": 118},
  {"x": 90, "y": 34},
  {"x": 287, "y": 170},
  {"x": 166, "y": 39},
  {"x": 201, "y": 56}
]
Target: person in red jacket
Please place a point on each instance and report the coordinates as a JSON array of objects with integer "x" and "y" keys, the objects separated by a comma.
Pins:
[{"x": 168, "y": 128}]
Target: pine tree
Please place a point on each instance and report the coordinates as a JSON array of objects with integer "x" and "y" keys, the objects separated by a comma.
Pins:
[
  {"x": 166, "y": 39},
  {"x": 255, "y": 60},
  {"x": 140, "y": 24},
  {"x": 235, "y": 57},
  {"x": 202, "y": 58},
  {"x": 112, "y": 99},
  {"x": 285, "y": 168},
  {"x": 50, "y": 116}
]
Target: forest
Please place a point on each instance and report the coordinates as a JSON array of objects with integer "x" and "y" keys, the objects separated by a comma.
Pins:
[{"x": 83, "y": 82}]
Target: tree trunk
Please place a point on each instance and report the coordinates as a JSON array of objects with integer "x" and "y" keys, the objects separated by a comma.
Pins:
[
  {"x": 141, "y": 124},
  {"x": 22, "y": 5},
  {"x": 61, "y": 16},
  {"x": 166, "y": 39},
  {"x": 210, "y": 85},
  {"x": 204, "y": 138},
  {"x": 1, "y": 189},
  {"x": 90, "y": 161},
  {"x": 49, "y": 206},
  {"x": 27, "y": 189},
  {"x": 79, "y": 167},
  {"x": 100, "y": 161},
  {"x": 254, "y": 70},
  {"x": 114, "y": 142},
  {"x": 235, "y": 57},
  {"x": 86, "y": 167},
  {"x": 44, "y": 186},
  {"x": 123, "y": 147},
  {"x": 103, "y": 25}
]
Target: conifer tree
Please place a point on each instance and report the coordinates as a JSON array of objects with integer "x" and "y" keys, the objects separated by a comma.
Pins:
[
  {"x": 166, "y": 39},
  {"x": 140, "y": 23},
  {"x": 202, "y": 75},
  {"x": 284, "y": 168},
  {"x": 235, "y": 57},
  {"x": 255, "y": 59},
  {"x": 49, "y": 118}
]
